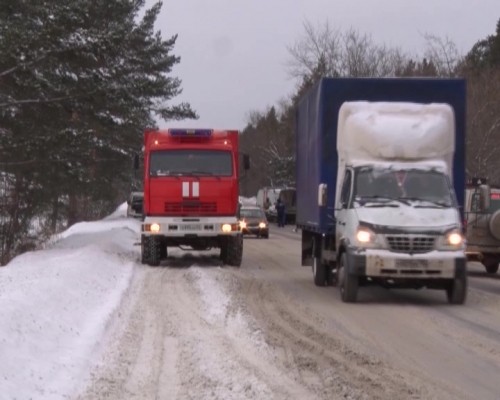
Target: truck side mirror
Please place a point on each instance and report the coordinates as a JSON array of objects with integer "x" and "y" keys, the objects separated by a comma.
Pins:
[
  {"x": 484, "y": 197},
  {"x": 322, "y": 194},
  {"x": 246, "y": 162},
  {"x": 136, "y": 161}
]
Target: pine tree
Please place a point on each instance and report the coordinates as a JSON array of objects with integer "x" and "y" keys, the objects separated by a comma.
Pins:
[{"x": 79, "y": 82}]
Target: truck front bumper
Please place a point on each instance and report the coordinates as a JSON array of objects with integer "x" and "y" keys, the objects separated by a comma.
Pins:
[
  {"x": 191, "y": 227},
  {"x": 387, "y": 264}
]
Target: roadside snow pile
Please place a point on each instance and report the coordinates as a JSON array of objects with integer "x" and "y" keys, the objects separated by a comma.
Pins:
[{"x": 55, "y": 304}]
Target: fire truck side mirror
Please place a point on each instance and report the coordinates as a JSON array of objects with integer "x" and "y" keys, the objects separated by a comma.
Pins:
[
  {"x": 136, "y": 161},
  {"x": 246, "y": 161},
  {"x": 484, "y": 197}
]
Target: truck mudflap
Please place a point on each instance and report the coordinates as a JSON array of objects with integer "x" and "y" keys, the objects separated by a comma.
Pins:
[{"x": 386, "y": 264}]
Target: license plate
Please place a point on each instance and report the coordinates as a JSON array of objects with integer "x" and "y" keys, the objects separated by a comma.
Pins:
[
  {"x": 190, "y": 227},
  {"x": 412, "y": 263}
]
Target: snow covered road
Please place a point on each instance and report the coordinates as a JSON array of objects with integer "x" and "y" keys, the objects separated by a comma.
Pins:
[{"x": 85, "y": 320}]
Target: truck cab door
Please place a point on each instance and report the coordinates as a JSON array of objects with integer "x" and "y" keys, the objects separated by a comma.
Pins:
[{"x": 343, "y": 207}]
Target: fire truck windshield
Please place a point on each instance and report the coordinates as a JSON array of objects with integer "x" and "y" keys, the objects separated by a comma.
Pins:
[{"x": 190, "y": 162}]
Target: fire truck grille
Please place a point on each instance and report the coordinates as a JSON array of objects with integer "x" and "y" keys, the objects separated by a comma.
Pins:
[
  {"x": 415, "y": 244},
  {"x": 191, "y": 206}
]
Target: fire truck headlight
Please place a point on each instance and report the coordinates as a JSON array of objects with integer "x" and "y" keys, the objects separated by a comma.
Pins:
[
  {"x": 226, "y": 228},
  {"x": 154, "y": 227}
]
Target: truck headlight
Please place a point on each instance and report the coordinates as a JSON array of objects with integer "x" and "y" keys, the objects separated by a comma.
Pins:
[
  {"x": 155, "y": 227},
  {"x": 364, "y": 235},
  {"x": 243, "y": 224},
  {"x": 262, "y": 225},
  {"x": 453, "y": 240},
  {"x": 367, "y": 238}
]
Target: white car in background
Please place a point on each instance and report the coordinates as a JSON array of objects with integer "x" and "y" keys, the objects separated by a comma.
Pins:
[{"x": 135, "y": 202}]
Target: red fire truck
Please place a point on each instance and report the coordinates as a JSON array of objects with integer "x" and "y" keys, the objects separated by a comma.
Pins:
[{"x": 191, "y": 193}]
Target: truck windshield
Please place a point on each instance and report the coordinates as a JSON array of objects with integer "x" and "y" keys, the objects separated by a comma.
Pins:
[
  {"x": 421, "y": 188},
  {"x": 190, "y": 162}
]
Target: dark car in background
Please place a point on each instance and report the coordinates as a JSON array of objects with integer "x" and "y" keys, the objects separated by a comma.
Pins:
[{"x": 253, "y": 221}]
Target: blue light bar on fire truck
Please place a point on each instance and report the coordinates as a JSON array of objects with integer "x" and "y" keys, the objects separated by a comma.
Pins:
[{"x": 190, "y": 132}]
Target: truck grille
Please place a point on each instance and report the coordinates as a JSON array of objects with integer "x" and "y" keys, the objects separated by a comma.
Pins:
[
  {"x": 411, "y": 244},
  {"x": 191, "y": 207}
]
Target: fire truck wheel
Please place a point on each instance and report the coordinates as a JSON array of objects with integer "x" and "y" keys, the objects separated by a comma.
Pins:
[
  {"x": 234, "y": 250},
  {"x": 223, "y": 252},
  {"x": 144, "y": 250},
  {"x": 151, "y": 250}
]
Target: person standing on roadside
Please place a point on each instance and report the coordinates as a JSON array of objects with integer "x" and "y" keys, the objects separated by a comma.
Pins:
[{"x": 280, "y": 209}]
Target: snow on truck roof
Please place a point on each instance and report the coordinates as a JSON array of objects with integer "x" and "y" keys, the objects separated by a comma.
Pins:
[{"x": 395, "y": 131}]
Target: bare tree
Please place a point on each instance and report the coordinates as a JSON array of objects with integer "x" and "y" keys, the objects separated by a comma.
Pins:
[
  {"x": 483, "y": 126},
  {"x": 336, "y": 54},
  {"x": 443, "y": 53}
]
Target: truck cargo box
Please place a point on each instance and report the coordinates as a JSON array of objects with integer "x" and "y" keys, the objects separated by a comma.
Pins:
[{"x": 316, "y": 134}]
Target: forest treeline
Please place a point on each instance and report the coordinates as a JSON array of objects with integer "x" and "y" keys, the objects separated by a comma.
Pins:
[
  {"x": 81, "y": 80},
  {"x": 324, "y": 51}
]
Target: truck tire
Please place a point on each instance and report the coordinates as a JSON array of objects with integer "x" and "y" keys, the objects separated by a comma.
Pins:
[
  {"x": 144, "y": 249},
  {"x": 223, "y": 251},
  {"x": 456, "y": 291},
  {"x": 150, "y": 250},
  {"x": 348, "y": 283},
  {"x": 320, "y": 272},
  {"x": 234, "y": 250},
  {"x": 491, "y": 264}
]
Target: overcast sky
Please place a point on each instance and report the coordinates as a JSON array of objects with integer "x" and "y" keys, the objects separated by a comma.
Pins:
[{"x": 234, "y": 52}]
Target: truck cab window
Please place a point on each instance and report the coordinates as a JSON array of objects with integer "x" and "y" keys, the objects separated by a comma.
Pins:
[
  {"x": 346, "y": 189},
  {"x": 191, "y": 162}
]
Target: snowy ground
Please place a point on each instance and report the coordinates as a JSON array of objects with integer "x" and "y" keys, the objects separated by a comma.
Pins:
[
  {"x": 63, "y": 307},
  {"x": 84, "y": 320}
]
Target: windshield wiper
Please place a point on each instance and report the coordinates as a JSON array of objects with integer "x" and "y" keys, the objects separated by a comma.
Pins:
[
  {"x": 165, "y": 173},
  {"x": 201, "y": 173},
  {"x": 383, "y": 201},
  {"x": 435, "y": 203}
]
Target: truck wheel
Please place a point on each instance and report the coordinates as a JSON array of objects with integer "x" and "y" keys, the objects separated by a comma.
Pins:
[
  {"x": 331, "y": 277},
  {"x": 348, "y": 283},
  {"x": 234, "y": 250},
  {"x": 144, "y": 249},
  {"x": 150, "y": 250},
  {"x": 223, "y": 251},
  {"x": 491, "y": 264},
  {"x": 456, "y": 290},
  {"x": 319, "y": 272}
]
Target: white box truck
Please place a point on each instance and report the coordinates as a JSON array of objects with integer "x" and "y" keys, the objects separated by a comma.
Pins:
[{"x": 381, "y": 161}]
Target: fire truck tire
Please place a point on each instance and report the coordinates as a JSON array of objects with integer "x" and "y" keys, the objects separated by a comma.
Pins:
[
  {"x": 223, "y": 252},
  {"x": 151, "y": 250},
  {"x": 234, "y": 250}
]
